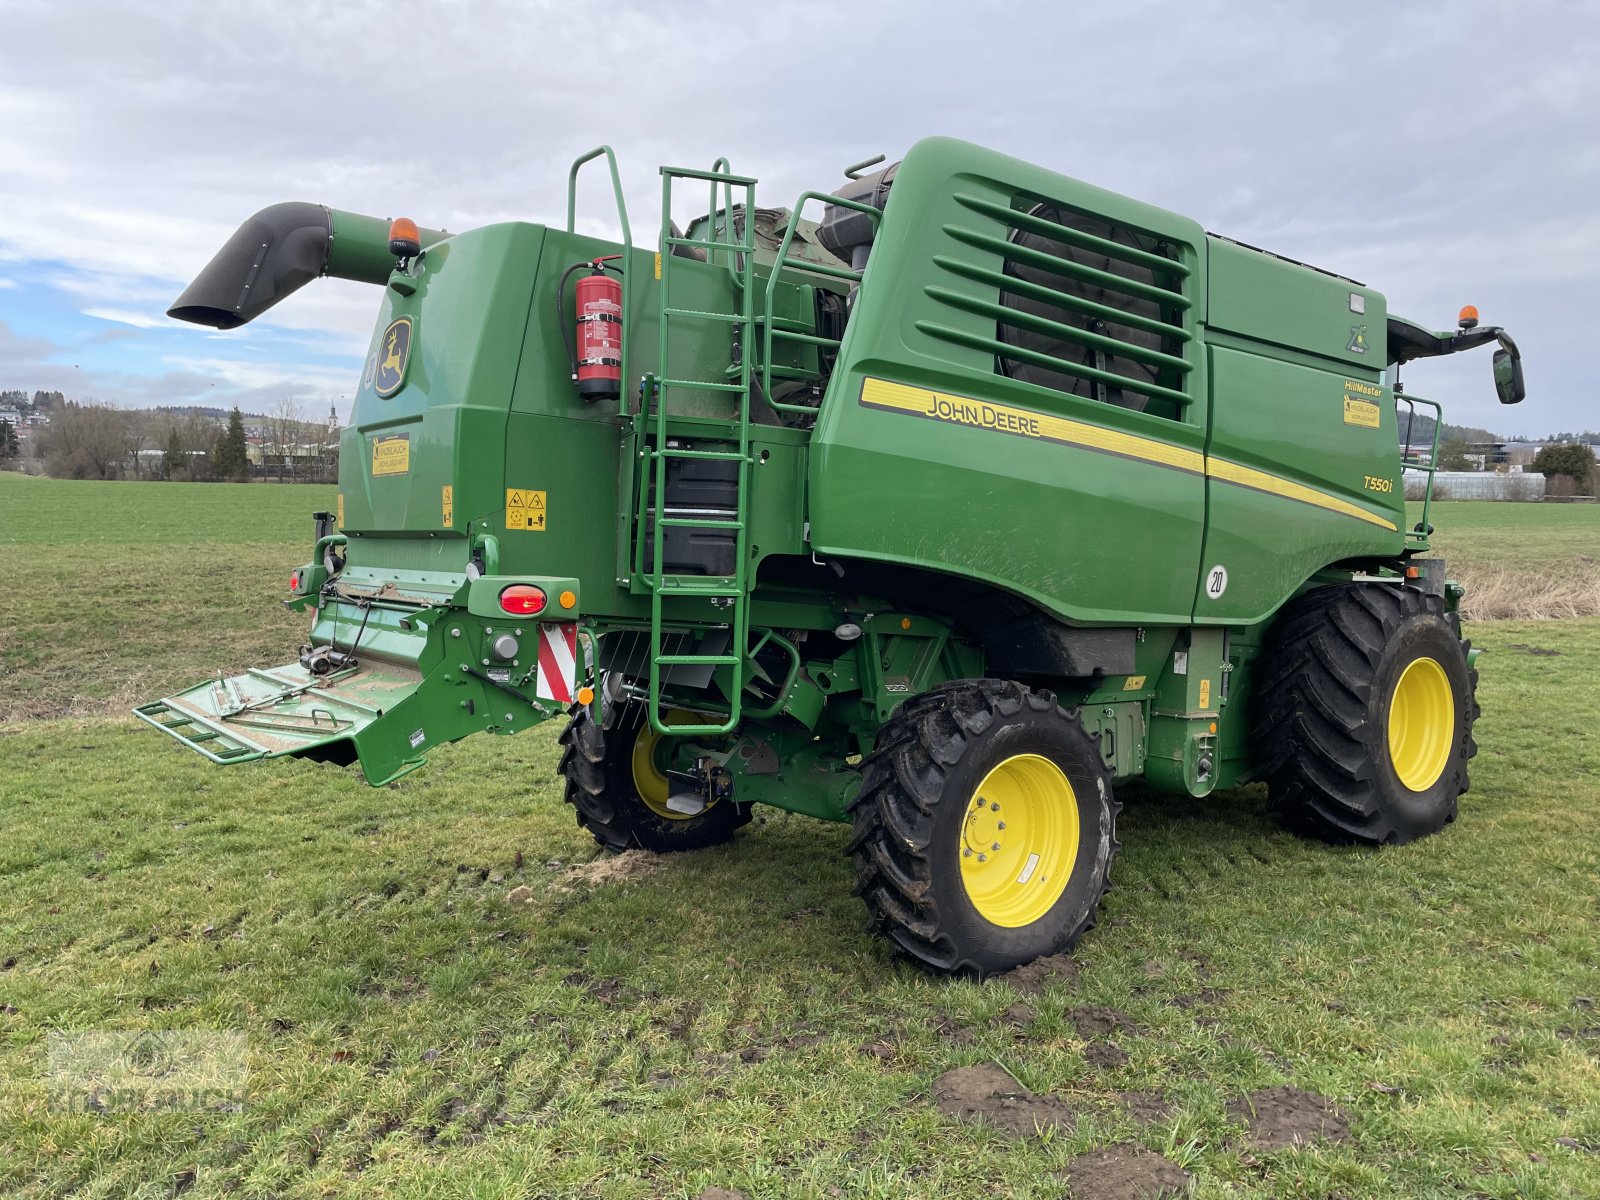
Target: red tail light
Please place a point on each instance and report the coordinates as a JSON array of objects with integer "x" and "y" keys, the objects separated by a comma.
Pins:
[
  {"x": 522, "y": 600},
  {"x": 294, "y": 582}
]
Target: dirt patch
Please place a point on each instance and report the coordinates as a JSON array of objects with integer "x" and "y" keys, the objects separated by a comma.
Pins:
[
  {"x": 611, "y": 868},
  {"x": 1280, "y": 1117},
  {"x": 1146, "y": 1108},
  {"x": 720, "y": 1194},
  {"x": 1202, "y": 997},
  {"x": 1019, "y": 1014},
  {"x": 1094, "y": 1020},
  {"x": 1536, "y": 651},
  {"x": 1125, "y": 1173},
  {"x": 952, "y": 1031},
  {"x": 609, "y": 992},
  {"x": 882, "y": 1050},
  {"x": 988, "y": 1094},
  {"x": 1105, "y": 1056},
  {"x": 1031, "y": 979}
]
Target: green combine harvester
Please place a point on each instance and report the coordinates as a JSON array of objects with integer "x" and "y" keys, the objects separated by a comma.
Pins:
[{"x": 942, "y": 515}]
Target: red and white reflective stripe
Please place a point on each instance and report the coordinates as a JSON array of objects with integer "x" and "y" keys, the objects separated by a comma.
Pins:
[{"x": 558, "y": 662}]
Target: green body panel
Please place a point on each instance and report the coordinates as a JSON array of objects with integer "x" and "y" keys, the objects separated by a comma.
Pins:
[
  {"x": 469, "y": 309},
  {"x": 1090, "y": 535},
  {"x": 1287, "y": 420},
  {"x": 1294, "y": 309},
  {"x": 1293, "y": 382},
  {"x": 928, "y": 498}
]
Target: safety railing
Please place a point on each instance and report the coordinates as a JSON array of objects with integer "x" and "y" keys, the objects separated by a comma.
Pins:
[
  {"x": 769, "y": 329},
  {"x": 627, "y": 242},
  {"x": 1429, "y": 467}
]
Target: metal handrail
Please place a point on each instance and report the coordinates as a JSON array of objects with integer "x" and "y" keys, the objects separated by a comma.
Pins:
[
  {"x": 616, "y": 188},
  {"x": 875, "y": 215},
  {"x": 627, "y": 247},
  {"x": 1431, "y": 467}
]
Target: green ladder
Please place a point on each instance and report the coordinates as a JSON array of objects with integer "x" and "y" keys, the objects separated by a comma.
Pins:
[{"x": 731, "y": 591}]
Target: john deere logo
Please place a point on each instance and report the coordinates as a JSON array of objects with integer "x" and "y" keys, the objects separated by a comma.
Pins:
[
  {"x": 394, "y": 351},
  {"x": 1356, "y": 345}
]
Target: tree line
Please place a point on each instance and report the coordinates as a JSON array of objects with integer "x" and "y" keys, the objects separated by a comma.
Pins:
[{"x": 93, "y": 440}]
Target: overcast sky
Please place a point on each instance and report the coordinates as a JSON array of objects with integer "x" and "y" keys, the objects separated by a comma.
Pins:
[{"x": 1444, "y": 153}]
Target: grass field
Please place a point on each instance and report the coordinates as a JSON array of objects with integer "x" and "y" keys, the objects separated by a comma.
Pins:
[{"x": 648, "y": 1028}]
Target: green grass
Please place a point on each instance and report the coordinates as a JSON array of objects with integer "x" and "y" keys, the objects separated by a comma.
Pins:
[
  {"x": 1537, "y": 537},
  {"x": 721, "y": 1019},
  {"x": 119, "y": 592}
]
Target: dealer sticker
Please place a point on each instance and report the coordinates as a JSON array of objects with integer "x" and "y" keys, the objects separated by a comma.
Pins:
[{"x": 391, "y": 454}]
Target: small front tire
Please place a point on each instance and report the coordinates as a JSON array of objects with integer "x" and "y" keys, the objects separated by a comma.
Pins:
[{"x": 616, "y": 784}]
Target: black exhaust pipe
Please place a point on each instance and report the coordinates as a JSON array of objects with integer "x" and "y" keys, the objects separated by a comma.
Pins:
[{"x": 280, "y": 250}]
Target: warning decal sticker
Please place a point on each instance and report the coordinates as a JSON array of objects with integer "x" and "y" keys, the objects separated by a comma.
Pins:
[
  {"x": 558, "y": 661},
  {"x": 525, "y": 509},
  {"x": 447, "y": 504}
]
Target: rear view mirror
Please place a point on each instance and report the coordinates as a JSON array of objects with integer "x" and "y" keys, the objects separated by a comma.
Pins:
[{"x": 1508, "y": 383}]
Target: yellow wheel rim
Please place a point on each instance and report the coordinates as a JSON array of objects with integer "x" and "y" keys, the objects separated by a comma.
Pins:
[
  {"x": 1019, "y": 841},
  {"x": 649, "y": 779},
  {"x": 1422, "y": 724}
]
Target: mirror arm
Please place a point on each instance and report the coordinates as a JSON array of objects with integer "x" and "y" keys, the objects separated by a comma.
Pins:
[{"x": 1471, "y": 339}]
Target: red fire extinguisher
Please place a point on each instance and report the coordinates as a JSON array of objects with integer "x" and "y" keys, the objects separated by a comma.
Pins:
[{"x": 597, "y": 358}]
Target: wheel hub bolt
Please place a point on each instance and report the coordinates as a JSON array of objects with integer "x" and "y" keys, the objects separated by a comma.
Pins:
[
  {"x": 994, "y": 808},
  {"x": 996, "y": 846},
  {"x": 1000, "y": 825},
  {"x": 967, "y": 853},
  {"x": 983, "y": 858}
]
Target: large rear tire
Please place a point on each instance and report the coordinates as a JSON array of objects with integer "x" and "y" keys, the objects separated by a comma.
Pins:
[
  {"x": 1364, "y": 712},
  {"x": 616, "y": 784},
  {"x": 985, "y": 827}
]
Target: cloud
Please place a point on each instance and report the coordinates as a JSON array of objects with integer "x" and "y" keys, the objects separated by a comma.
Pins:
[
  {"x": 123, "y": 316},
  {"x": 261, "y": 377},
  {"x": 1443, "y": 153}
]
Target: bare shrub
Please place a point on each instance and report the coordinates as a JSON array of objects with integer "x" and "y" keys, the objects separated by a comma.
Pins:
[
  {"x": 87, "y": 441},
  {"x": 1516, "y": 488},
  {"x": 1560, "y": 487},
  {"x": 1510, "y": 594}
]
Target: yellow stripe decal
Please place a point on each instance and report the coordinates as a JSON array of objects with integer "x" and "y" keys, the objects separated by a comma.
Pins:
[
  {"x": 1023, "y": 422},
  {"x": 1219, "y": 468}
]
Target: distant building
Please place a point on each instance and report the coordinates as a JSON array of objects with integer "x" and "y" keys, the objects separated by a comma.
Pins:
[
  {"x": 10, "y": 416},
  {"x": 1489, "y": 455}
]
